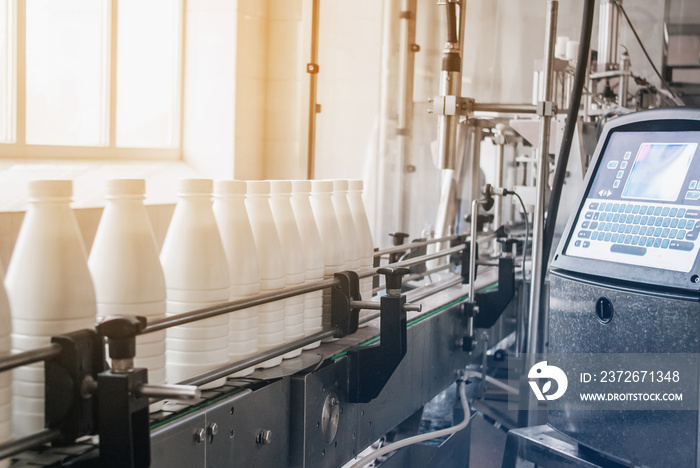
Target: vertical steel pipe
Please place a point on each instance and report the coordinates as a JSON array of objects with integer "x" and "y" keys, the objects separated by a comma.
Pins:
[
  {"x": 534, "y": 338},
  {"x": 312, "y": 69},
  {"x": 608, "y": 31}
]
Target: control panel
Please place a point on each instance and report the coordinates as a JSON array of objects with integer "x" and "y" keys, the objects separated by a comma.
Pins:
[{"x": 638, "y": 218}]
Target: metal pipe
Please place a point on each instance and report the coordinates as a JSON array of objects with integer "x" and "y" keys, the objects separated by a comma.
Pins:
[
  {"x": 608, "y": 31},
  {"x": 179, "y": 392},
  {"x": 313, "y": 88},
  {"x": 504, "y": 108},
  {"x": 16, "y": 446},
  {"x": 407, "y": 39},
  {"x": 227, "y": 307},
  {"x": 29, "y": 357},
  {"x": 500, "y": 141},
  {"x": 472, "y": 248},
  {"x": 412, "y": 245},
  {"x": 534, "y": 340}
]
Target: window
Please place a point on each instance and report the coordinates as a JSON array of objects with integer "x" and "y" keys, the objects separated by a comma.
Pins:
[{"x": 90, "y": 78}]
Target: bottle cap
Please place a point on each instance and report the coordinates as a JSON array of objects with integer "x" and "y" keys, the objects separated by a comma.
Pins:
[
  {"x": 229, "y": 187},
  {"x": 125, "y": 187},
  {"x": 301, "y": 186},
  {"x": 281, "y": 187},
  {"x": 320, "y": 186},
  {"x": 356, "y": 185},
  {"x": 340, "y": 185},
  {"x": 194, "y": 186},
  {"x": 258, "y": 187},
  {"x": 50, "y": 189}
]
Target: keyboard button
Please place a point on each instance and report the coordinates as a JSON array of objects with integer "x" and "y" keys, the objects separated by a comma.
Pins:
[
  {"x": 650, "y": 241},
  {"x": 628, "y": 208},
  {"x": 586, "y": 244},
  {"x": 680, "y": 245},
  {"x": 674, "y": 223},
  {"x": 657, "y": 211},
  {"x": 665, "y": 232},
  {"x": 608, "y": 227},
  {"x": 642, "y": 240},
  {"x": 577, "y": 243},
  {"x": 608, "y": 206},
  {"x": 693, "y": 235},
  {"x": 601, "y": 226},
  {"x": 628, "y": 239},
  {"x": 635, "y": 240},
  {"x": 657, "y": 232},
  {"x": 588, "y": 215},
  {"x": 609, "y": 217},
  {"x": 673, "y": 212},
  {"x": 628, "y": 229},
  {"x": 651, "y": 221},
  {"x": 616, "y": 218},
  {"x": 636, "y": 219},
  {"x": 681, "y": 223},
  {"x": 692, "y": 214},
  {"x": 635, "y": 229},
  {"x": 594, "y": 235},
  {"x": 664, "y": 243},
  {"x": 692, "y": 195},
  {"x": 596, "y": 215},
  {"x": 607, "y": 237},
  {"x": 601, "y": 207},
  {"x": 621, "y": 208},
  {"x": 689, "y": 224},
  {"x": 642, "y": 230},
  {"x": 614, "y": 237},
  {"x": 657, "y": 243},
  {"x": 615, "y": 207},
  {"x": 628, "y": 249},
  {"x": 585, "y": 225},
  {"x": 692, "y": 184},
  {"x": 615, "y": 228},
  {"x": 673, "y": 233},
  {"x": 658, "y": 221},
  {"x": 593, "y": 206},
  {"x": 612, "y": 164},
  {"x": 635, "y": 209},
  {"x": 666, "y": 222},
  {"x": 643, "y": 210},
  {"x": 594, "y": 225},
  {"x": 630, "y": 219},
  {"x": 644, "y": 220},
  {"x": 584, "y": 234},
  {"x": 650, "y": 210},
  {"x": 680, "y": 235},
  {"x": 665, "y": 210},
  {"x": 681, "y": 212}
]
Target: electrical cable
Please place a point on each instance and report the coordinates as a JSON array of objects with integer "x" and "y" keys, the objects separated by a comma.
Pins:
[
  {"x": 568, "y": 136},
  {"x": 527, "y": 233},
  {"x": 422, "y": 437},
  {"x": 676, "y": 99}
]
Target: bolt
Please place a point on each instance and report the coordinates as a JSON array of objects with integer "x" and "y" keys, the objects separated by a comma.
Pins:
[
  {"x": 199, "y": 435},
  {"x": 212, "y": 430},
  {"x": 415, "y": 48},
  {"x": 264, "y": 437}
]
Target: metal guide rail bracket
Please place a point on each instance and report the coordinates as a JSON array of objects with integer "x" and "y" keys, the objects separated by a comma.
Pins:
[{"x": 451, "y": 105}]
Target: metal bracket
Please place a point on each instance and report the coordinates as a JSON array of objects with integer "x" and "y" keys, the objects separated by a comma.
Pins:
[
  {"x": 466, "y": 252},
  {"x": 344, "y": 318},
  {"x": 546, "y": 109},
  {"x": 312, "y": 68},
  {"x": 492, "y": 304},
  {"x": 70, "y": 381},
  {"x": 451, "y": 105}
]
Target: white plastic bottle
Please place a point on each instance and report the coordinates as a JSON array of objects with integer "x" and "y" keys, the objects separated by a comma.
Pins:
[
  {"x": 273, "y": 272},
  {"x": 126, "y": 270},
  {"x": 244, "y": 273},
  {"x": 281, "y": 207},
  {"x": 313, "y": 255},
  {"x": 331, "y": 240},
  {"x": 5, "y": 377},
  {"x": 196, "y": 276},
  {"x": 49, "y": 289},
  {"x": 348, "y": 233},
  {"x": 364, "y": 236}
]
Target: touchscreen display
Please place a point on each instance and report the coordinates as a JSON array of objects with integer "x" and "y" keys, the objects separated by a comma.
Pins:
[{"x": 658, "y": 171}]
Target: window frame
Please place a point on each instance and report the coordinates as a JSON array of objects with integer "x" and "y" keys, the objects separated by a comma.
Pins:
[{"x": 20, "y": 149}]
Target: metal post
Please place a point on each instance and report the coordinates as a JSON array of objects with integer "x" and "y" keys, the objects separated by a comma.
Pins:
[
  {"x": 312, "y": 69},
  {"x": 500, "y": 141},
  {"x": 608, "y": 30},
  {"x": 407, "y": 49},
  {"x": 534, "y": 339}
]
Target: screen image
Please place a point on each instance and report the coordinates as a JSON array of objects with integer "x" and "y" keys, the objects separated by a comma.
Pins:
[{"x": 659, "y": 171}]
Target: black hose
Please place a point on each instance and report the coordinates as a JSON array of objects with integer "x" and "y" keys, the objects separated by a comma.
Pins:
[
  {"x": 571, "y": 119},
  {"x": 450, "y": 8}
]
